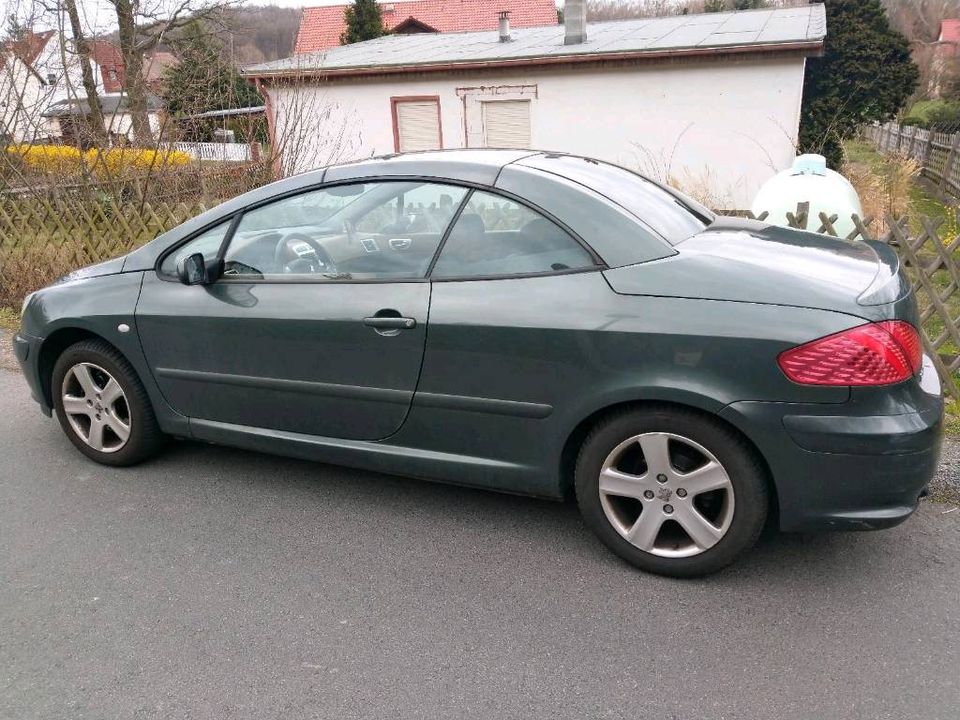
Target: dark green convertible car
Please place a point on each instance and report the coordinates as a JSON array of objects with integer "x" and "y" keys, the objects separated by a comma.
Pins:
[{"x": 527, "y": 322}]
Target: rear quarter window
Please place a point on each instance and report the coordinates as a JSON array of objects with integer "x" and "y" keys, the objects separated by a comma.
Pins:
[{"x": 674, "y": 217}]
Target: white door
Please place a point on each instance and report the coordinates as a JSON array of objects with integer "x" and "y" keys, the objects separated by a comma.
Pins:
[{"x": 506, "y": 123}]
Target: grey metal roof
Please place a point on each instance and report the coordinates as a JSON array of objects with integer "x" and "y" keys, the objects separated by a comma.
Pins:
[
  {"x": 749, "y": 30},
  {"x": 110, "y": 103},
  {"x": 230, "y": 113}
]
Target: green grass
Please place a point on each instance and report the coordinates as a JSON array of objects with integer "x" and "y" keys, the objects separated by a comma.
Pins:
[
  {"x": 935, "y": 325},
  {"x": 9, "y": 318},
  {"x": 860, "y": 151},
  {"x": 922, "y": 110},
  {"x": 952, "y": 419}
]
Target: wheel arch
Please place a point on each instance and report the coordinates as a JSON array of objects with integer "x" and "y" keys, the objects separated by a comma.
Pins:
[
  {"x": 53, "y": 347},
  {"x": 576, "y": 438}
]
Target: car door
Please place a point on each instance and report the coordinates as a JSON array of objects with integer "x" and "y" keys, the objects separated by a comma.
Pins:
[
  {"x": 317, "y": 324},
  {"x": 510, "y": 320}
]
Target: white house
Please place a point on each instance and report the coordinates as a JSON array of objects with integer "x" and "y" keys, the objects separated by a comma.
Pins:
[
  {"x": 32, "y": 75},
  {"x": 711, "y": 102},
  {"x": 117, "y": 118},
  {"x": 41, "y": 88}
]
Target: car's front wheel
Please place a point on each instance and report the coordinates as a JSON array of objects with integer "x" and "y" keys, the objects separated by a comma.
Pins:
[
  {"x": 102, "y": 406},
  {"x": 671, "y": 491}
]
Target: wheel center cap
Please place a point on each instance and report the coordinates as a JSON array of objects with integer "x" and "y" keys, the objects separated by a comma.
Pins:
[
  {"x": 664, "y": 494},
  {"x": 99, "y": 406}
]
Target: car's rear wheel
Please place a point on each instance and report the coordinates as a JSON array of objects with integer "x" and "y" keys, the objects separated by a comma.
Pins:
[
  {"x": 671, "y": 491},
  {"x": 102, "y": 405}
]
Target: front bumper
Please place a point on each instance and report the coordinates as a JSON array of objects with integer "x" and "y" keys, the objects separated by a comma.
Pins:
[
  {"x": 27, "y": 351},
  {"x": 862, "y": 465}
]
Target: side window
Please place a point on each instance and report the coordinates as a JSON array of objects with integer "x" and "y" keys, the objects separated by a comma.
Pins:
[
  {"x": 496, "y": 236},
  {"x": 425, "y": 208},
  {"x": 369, "y": 231},
  {"x": 208, "y": 243}
]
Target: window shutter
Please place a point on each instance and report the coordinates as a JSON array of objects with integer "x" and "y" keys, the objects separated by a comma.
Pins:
[
  {"x": 507, "y": 123},
  {"x": 418, "y": 125}
]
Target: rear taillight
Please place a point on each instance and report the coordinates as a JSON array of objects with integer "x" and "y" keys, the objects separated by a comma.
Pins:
[{"x": 880, "y": 353}]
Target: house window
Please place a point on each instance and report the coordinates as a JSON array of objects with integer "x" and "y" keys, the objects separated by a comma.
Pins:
[
  {"x": 112, "y": 75},
  {"x": 416, "y": 123},
  {"x": 506, "y": 123}
]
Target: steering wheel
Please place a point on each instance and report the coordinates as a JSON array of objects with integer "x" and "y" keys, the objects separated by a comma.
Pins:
[{"x": 321, "y": 262}]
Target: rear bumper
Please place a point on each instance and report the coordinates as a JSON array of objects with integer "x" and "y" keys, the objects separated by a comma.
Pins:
[{"x": 862, "y": 465}]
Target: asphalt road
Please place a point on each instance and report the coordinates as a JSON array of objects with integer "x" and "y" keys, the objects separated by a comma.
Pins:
[{"x": 213, "y": 583}]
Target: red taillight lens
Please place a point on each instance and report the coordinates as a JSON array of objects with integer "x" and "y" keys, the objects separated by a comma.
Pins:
[{"x": 880, "y": 353}]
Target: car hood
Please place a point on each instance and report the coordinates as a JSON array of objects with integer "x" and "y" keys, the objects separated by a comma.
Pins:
[
  {"x": 108, "y": 267},
  {"x": 748, "y": 261}
]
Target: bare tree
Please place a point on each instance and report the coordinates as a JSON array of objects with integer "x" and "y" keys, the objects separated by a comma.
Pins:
[
  {"x": 920, "y": 21},
  {"x": 141, "y": 28},
  {"x": 308, "y": 129},
  {"x": 96, "y": 127}
]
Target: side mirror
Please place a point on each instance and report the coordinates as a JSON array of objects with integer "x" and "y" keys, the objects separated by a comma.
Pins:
[{"x": 192, "y": 270}]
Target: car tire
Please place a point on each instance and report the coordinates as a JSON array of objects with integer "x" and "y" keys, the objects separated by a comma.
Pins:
[
  {"x": 712, "y": 482},
  {"x": 110, "y": 424}
]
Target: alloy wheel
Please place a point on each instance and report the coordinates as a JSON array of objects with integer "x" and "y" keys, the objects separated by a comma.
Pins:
[
  {"x": 96, "y": 407},
  {"x": 666, "y": 494}
]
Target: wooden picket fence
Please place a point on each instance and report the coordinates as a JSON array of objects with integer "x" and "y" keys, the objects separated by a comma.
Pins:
[
  {"x": 42, "y": 238},
  {"x": 937, "y": 152}
]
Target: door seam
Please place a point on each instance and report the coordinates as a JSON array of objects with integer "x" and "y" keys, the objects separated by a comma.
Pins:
[{"x": 423, "y": 359}]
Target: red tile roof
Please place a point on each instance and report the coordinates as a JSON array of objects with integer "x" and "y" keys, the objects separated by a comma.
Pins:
[
  {"x": 28, "y": 48},
  {"x": 156, "y": 65},
  {"x": 320, "y": 27},
  {"x": 950, "y": 31},
  {"x": 108, "y": 57},
  {"x": 105, "y": 54}
]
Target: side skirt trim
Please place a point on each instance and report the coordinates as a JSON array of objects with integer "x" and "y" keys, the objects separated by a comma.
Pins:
[
  {"x": 451, "y": 468},
  {"x": 354, "y": 392},
  {"x": 482, "y": 405},
  {"x": 491, "y": 406}
]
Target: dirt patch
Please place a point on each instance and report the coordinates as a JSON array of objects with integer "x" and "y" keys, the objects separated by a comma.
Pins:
[
  {"x": 945, "y": 487},
  {"x": 7, "y": 360}
]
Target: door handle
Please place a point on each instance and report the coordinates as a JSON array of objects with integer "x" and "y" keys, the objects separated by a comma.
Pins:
[{"x": 390, "y": 323}]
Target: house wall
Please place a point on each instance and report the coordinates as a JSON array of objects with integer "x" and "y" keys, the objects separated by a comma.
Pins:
[
  {"x": 719, "y": 128},
  {"x": 24, "y": 95},
  {"x": 120, "y": 123},
  {"x": 22, "y": 100}
]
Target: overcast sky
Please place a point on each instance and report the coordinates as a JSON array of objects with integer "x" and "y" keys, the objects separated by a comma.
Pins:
[{"x": 99, "y": 14}]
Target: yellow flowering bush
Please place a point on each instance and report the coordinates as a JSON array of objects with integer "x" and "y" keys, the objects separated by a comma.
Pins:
[
  {"x": 118, "y": 161},
  {"x": 48, "y": 158},
  {"x": 65, "y": 159}
]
